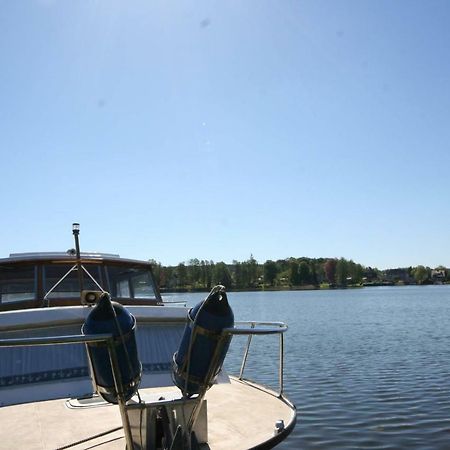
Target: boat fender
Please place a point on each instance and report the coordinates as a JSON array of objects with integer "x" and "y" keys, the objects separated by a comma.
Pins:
[
  {"x": 203, "y": 346},
  {"x": 112, "y": 318}
]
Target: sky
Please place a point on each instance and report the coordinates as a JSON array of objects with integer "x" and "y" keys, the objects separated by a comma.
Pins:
[{"x": 217, "y": 130}]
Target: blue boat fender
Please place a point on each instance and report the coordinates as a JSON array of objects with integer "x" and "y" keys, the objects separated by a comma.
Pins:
[
  {"x": 203, "y": 346},
  {"x": 112, "y": 318}
]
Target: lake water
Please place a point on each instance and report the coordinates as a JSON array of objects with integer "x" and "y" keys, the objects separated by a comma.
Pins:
[{"x": 367, "y": 368}]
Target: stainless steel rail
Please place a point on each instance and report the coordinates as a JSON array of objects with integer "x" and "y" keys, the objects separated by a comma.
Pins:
[
  {"x": 60, "y": 340},
  {"x": 260, "y": 328}
]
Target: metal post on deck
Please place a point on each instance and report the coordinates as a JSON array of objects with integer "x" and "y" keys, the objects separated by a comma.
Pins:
[
  {"x": 247, "y": 349},
  {"x": 281, "y": 365},
  {"x": 212, "y": 366},
  {"x": 120, "y": 397}
]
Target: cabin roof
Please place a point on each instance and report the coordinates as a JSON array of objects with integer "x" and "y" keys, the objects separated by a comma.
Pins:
[{"x": 69, "y": 256}]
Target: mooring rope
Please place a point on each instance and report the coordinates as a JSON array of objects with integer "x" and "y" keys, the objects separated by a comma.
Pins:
[{"x": 82, "y": 441}]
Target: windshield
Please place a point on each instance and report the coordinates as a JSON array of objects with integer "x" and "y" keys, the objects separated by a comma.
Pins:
[
  {"x": 130, "y": 282},
  {"x": 125, "y": 282},
  {"x": 62, "y": 280}
]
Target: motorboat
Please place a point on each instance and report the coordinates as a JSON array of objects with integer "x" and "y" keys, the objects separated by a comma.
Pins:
[{"x": 69, "y": 381}]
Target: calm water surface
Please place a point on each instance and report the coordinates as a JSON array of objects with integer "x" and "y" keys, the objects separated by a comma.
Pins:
[{"x": 367, "y": 368}]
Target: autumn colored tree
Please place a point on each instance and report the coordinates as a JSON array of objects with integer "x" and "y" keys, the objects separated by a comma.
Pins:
[{"x": 330, "y": 270}]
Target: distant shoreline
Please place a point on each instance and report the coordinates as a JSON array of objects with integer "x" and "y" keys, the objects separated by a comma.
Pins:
[{"x": 294, "y": 288}]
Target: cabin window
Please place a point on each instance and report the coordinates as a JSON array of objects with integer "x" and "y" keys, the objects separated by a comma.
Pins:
[
  {"x": 17, "y": 283},
  {"x": 130, "y": 282},
  {"x": 123, "y": 289},
  {"x": 67, "y": 279}
]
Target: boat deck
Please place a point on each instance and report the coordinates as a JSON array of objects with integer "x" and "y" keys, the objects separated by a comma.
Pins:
[{"x": 240, "y": 416}]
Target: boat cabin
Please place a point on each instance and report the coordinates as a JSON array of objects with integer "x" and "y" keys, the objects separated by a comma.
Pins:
[{"x": 33, "y": 280}]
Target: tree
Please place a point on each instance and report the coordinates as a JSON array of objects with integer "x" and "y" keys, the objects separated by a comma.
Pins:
[
  {"x": 356, "y": 272},
  {"x": 342, "y": 272},
  {"x": 156, "y": 269},
  {"x": 294, "y": 278},
  {"x": 181, "y": 275},
  {"x": 330, "y": 270},
  {"x": 208, "y": 273},
  {"x": 304, "y": 273},
  {"x": 314, "y": 280},
  {"x": 270, "y": 271},
  {"x": 420, "y": 274},
  {"x": 168, "y": 277},
  {"x": 204, "y": 273},
  {"x": 238, "y": 274},
  {"x": 252, "y": 266},
  {"x": 222, "y": 275},
  {"x": 194, "y": 271}
]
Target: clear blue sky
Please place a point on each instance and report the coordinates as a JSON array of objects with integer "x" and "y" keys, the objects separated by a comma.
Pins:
[{"x": 219, "y": 129}]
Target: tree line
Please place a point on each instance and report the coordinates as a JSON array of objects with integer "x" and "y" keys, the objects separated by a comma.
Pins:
[
  {"x": 289, "y": 273},
  {"x": 198, "y": 274}
]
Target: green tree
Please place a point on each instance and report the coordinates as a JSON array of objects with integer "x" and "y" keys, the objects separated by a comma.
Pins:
[
  {"x": 314, "y": 279},
  {"x": 156, "y": 269},
  {"x": 252, "y": 266},
  {"x": 222, "y": 275},
  {"x": 342, "y": 272},
  {"x": 209, "y": 273},
  {"x": 304, "y": 273},
  {"x": 203, "y": 274},
  {"x": 169, "y": 277},
  {"x": 294, "y": 278},
  {"x": 270, "y": 271},
  {"x": 194, "y": 272},
  {"x": 181, "y": 274},
  {"x": 238, "y": 274},
  {"x": 355, "y": 272},
  {"x": 420, "y": 274}
]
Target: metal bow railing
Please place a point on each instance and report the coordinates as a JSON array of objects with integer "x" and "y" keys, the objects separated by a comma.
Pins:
[{"x": 260, "y": 328}]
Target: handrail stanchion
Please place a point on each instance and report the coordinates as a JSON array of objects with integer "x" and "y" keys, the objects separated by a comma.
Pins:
[
  {"x": 281, "y": 365},
  {"x": 247, "y": 349},
  {"x": 120, "y": 397},
  {"x": 199, "y": 399}
]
